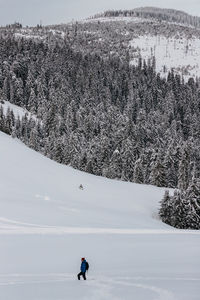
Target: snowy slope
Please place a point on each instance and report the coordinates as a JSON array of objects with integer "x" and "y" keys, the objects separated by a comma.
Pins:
[
  {"x": 17, "y": 110},
  {"x": 106, "y": 203},
  {"x": 47, "y": 223},
  {"x": 181, "y": 54}
]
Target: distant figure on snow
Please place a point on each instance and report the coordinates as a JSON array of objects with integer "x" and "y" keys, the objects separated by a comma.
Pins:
[
  {"x": 81, "y": 187},
  {"x": 84, "y": 268}
]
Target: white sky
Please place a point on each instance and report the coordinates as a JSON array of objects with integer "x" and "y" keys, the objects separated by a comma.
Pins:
[{"x": 30, "y": 12}]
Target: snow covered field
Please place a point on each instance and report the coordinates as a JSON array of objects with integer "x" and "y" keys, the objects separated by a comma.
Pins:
[{"x": 47, "y": 224}]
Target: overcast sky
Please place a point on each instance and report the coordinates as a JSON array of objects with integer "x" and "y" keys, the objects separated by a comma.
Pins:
[{"x": 31, "y": 12}]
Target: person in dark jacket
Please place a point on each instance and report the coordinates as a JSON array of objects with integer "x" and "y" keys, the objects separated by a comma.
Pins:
[{"x": 83, "y": 269}]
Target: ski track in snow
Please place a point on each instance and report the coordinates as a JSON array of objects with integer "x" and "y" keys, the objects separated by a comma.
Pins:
[
  {"x": 8, "y": 226},
  {"x": 162, "y": 293},
  {"x": 103, "y": 285}
]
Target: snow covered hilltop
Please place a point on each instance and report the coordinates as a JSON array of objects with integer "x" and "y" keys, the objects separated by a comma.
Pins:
[
  {"x": 169, "y": 36},
  {"x": 155, "y": 13}
]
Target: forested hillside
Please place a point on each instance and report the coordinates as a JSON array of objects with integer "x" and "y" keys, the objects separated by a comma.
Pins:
[{"x": 99, "y": 113}]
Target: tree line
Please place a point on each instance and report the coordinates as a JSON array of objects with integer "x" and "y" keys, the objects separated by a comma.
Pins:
[{"x": 159, "y": 14}]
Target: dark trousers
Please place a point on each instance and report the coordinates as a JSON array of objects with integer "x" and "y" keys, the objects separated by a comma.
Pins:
[{"x": 81, "y": 274}]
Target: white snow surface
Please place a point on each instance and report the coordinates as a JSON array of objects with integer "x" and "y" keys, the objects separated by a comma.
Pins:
[
  {"x": 178, "y": 53},
  {"x": 47, "y": 223}
]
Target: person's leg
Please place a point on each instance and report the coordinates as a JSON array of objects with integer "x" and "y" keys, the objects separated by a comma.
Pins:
[
  {"x": 79, "y": 275},
  {"x": 84, "y": 277}
]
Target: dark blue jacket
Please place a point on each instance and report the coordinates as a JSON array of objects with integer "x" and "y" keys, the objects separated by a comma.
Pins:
[{"x": 83, "y": 266}]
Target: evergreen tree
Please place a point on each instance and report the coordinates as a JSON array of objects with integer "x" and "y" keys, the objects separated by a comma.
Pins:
[
  {"x": 138, "y": 172},
  {"x": 166, "y": 208},
  {"x": 193, "y": 197},
  {"x": 158, "y": 172},
  {"x": 183, "y": 172},
  {"x": 182, "y": 210}
]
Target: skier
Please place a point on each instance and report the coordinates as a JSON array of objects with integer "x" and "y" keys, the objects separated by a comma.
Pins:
[
  {"x": 81, "y": 187},
  {"x": 84, "y": 268}
]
